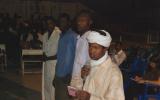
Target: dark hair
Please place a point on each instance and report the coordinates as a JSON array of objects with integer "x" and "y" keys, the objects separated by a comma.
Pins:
[
  {"x": 85, "y": 13},
  {"x": 118, "y": 43},
  {"x": 154, "y": 59},
  {"x": 100, "y": 32},
  {"x": 50, "y": 18},
  {"x": 64, "y": 15}
]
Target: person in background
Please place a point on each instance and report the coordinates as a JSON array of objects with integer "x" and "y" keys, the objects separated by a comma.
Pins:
[
  {"x": 120, "y": 55},
  {"x": 65, "y": 58},
  {"x": 104, "y": 81},
  {"x": 50, "y": 46},
  {"x": 84, "y": 22},
  {"x": 151, "y": 76}
]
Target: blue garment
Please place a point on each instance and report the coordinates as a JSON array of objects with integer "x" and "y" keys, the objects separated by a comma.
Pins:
[{"x": 66, "y": 53}]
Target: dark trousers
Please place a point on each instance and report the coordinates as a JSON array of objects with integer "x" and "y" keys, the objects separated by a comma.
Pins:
[{"x": 60, "y": 84}]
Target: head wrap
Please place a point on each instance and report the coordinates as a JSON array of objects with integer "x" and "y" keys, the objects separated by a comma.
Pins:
[{"x": 97, "y": 37}]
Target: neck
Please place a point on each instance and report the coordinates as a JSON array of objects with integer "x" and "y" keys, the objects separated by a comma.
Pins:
[
  {"x": 99, "y": 61},
  {"x": 65, "y": 30},
  {"x": 82, "y": 32}
]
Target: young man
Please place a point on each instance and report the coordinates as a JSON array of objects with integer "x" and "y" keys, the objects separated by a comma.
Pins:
[
  {"x": 84, "y": 22},
  {"x": 50, "y": 45},
  {"x": 65, "y": 58},
  {"x": 104, "y": 81}
]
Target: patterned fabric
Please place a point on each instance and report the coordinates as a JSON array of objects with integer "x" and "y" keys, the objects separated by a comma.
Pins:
[{"x": 105, "y": 82}]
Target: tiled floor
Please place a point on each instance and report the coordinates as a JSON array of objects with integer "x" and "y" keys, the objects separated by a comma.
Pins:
[{"x": 14, "y": 86}]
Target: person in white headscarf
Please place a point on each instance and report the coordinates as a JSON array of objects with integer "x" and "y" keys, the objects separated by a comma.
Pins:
[{"x": 104, "y": 81}]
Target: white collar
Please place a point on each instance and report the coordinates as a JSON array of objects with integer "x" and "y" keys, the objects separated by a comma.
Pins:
[
  {"x": 94, "y": 63},
  {"x": 84, "y": 36}
]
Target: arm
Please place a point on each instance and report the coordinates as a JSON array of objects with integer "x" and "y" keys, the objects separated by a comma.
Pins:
[
  {"x": 148, "y": 81},
  {"x": 76, "y": 80},
  {"x": 154, "y": 82},
  {"x": 81, "y": 58}
]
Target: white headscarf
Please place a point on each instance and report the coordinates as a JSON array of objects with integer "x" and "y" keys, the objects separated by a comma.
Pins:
[{"x": 95, "y": 37}]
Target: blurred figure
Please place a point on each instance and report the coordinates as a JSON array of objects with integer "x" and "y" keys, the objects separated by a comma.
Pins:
[
  {"x": 50, "y": 46},
  {"x": 152, "y": 76},
  {"x": 120, "y": 55},
  {"x": 65, "y": 58}
]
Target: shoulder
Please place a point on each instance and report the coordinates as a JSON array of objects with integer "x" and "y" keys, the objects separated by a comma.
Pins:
[
  {"x": 85, "y": 35},
  {"x": 115, "y": 69},
  {"x": 72, "y": 33},
  {"x": 57, "y": 30},
  {"x": 45, "y": 34}
]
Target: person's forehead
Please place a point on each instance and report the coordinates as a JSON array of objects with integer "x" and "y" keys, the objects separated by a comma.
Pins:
[
  {"x": 63, "y": 19},
  {"x": 83, "y": 17},
  {"x": 95, "y": 44}
]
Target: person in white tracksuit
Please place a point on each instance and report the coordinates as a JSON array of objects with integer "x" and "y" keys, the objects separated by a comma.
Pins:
[{"x": 50, "y": 45}]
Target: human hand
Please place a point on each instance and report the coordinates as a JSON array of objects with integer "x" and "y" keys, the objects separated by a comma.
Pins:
[
  {"x": 141, "y": 81},
  {"x": 137, "y": 78},
  {"x": 82, "y": 95},
  {"x": 85, "y": 71}
]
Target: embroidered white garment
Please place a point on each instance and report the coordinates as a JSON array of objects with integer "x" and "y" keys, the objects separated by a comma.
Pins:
[{"x": 105, "y": 82}]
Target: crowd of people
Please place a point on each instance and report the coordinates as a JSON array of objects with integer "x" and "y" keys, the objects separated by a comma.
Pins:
[
  {"x": 82, "y": 62},
  {"x": 67, "y": 51}
]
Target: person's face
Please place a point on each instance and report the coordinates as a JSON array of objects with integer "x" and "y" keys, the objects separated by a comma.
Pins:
[
  {"x": 152, "y": 65},
  {"x": 83, "y": 24},
  {"x": 96, "y": 51},
  {"x": 63, "y": 23},
  {"x": 50, "y": 25},
  {"x": 118, "y": 47}
]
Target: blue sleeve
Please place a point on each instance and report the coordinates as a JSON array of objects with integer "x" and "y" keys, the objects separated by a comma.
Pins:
[{"x": 70, "y": 54}]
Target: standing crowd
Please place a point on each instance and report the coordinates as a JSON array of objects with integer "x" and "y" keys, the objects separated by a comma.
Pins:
[
  {"x": 79, "y": 61},
  {"x": 77, "y": 65}
]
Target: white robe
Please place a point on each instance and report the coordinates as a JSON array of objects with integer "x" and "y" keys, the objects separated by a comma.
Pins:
[
  {"x": 119, "y": 57},
  {"x": 50, "y": 46},
  {"x": 105, "y": 82}
]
